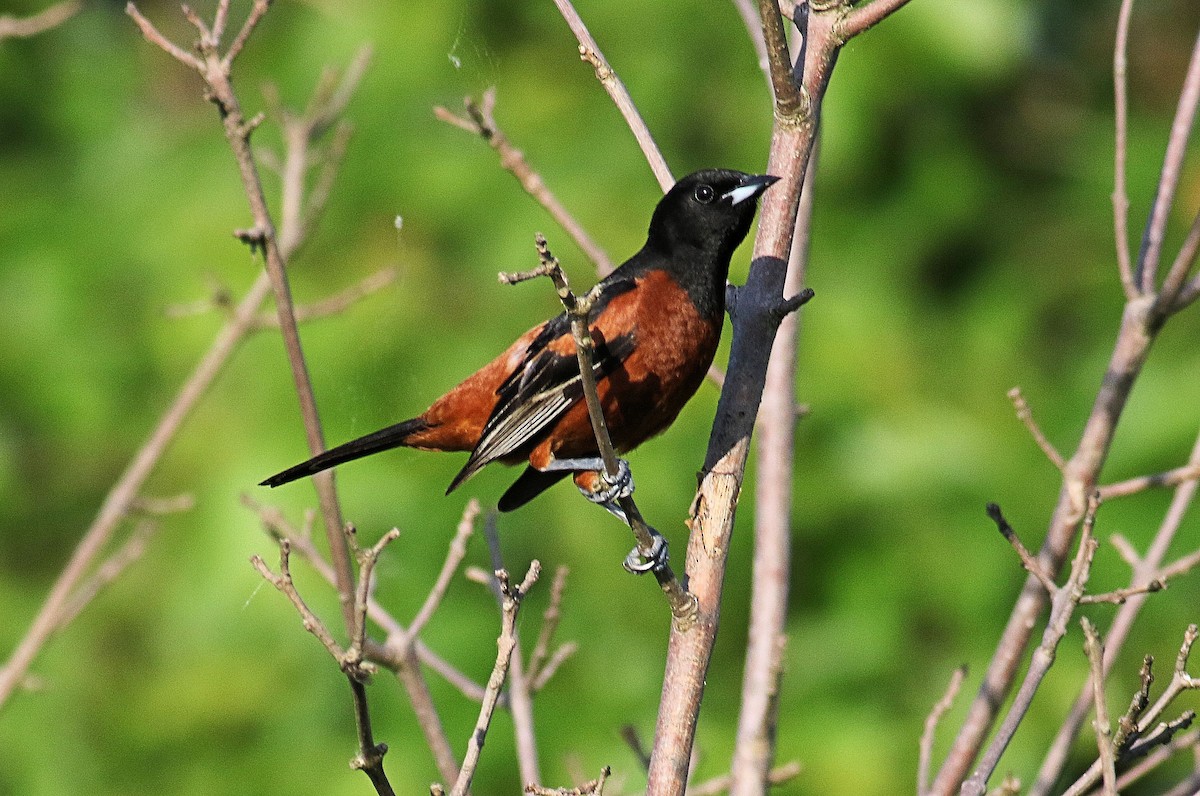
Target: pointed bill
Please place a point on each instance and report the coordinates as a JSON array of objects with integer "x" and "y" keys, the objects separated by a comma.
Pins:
[{"x": 750, "y": 188}]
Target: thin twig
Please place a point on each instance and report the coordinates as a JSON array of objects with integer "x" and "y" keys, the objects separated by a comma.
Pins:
[
  {"x": 1172, "y": 170},
  {"x": 119, "y": 499},
  {"x": 454, "y": 557},
  {"x": 1175, "y": 477},
  {"x": 1025, "y": 415},
  {"x": 1187, "y": 740},
  {"x": 1146, "y": 736},
  {"x": 594, "y": 787},
  {"x": 510, "y": 606},
  {"x": 589, "y": 51},
  {"x": 337, "y": 303},
  {"x": 481, "y": 121},
  {"x": 520, "y": 692},
  {"x": 215, "y": 70},
  {"x": 1062, "y": 606},
  {"x": 1120, "y": 194},
  {"x": 717, "y": 785},
  {"x": 579, "y": 309},
  {"x": 108, "y": 571},
  {"x": 1028, "y": 560},
  {"x": 867, "y": 15},
  {"x": 13, "y": 27},
  {"x": 550, "y": 619},
  {"x": 401, "y": 654},
  {"x": 1104, "y": 740},
  {"x": 929, "y": 735},
  {"x": 748, "y": 11},
  {"x": 1173, "y": 285}
]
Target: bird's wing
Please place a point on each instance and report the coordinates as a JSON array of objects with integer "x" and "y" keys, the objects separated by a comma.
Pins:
[{"x": 544, "y": 386}]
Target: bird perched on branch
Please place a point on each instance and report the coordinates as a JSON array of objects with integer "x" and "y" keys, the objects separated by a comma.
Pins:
[{"x": 656, "y": 322}]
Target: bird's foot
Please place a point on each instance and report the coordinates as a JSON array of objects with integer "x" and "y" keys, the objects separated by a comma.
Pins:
[
  {"x": 654, "y": 561},
  {"x": 613, "y": 487}
]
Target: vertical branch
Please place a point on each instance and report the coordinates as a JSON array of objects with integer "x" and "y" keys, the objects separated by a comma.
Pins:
[
  {"x": 755, "y": 310},
  {"x": 770, "y": 578},
  {"x": 1120, "y": 195},
  {"x": 506, "y": 643},
  {"x": 520, "y": 699}
]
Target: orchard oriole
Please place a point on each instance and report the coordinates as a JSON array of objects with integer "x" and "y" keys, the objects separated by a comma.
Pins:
[{"x": 656, "y": 322}]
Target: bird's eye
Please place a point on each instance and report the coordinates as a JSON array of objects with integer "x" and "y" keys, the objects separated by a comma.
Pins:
[{"x": 705, "y": 194}]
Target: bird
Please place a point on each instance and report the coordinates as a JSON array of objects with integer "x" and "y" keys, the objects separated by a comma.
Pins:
[{"x": 656, "y": 321}]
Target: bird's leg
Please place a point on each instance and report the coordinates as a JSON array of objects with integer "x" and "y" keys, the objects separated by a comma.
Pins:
[{"x": 615, "y": 487}]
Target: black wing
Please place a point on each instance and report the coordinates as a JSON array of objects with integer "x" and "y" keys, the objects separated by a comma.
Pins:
[{"x": 543, "y": 387}]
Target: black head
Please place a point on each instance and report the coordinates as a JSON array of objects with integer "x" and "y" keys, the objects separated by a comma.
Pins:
[
  {"x": 699, "y": 223},
  {"x": 708, "y": 210}
]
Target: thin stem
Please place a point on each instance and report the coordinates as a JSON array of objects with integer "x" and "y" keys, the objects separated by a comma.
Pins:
[
  {"x": 589, "y": 51},
  {"x": 1062, "y": 607},
  {"x": 481, "y": 121},
  {"x": 1120, "y": 194},
  {"x": 506, "y": 643},
  {"x": 771, "y": 577},
  {"x": 1095, "y": 655},
  {"x": 24, "y": 27},
  {"x": 929, "y": 735},
  {"x": 1181, "y": 129}
]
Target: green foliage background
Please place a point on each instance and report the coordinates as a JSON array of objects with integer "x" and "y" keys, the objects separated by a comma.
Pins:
[{"x": 962, "y": 245}]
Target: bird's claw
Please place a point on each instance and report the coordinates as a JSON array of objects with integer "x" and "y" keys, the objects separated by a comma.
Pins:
[
  {"x": 638, "y": 563},
  {"x": 615, "y": 487}
]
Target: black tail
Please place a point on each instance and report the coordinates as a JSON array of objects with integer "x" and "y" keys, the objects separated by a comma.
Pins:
[{"x": 382, "y": 440}]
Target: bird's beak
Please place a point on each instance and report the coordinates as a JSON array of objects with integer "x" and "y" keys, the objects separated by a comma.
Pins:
[{"x": 750, "y": 188}]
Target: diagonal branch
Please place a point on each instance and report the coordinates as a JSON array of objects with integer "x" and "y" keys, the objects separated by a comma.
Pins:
[
  {"x": 481, "y": 121},
  {"x": 1172, "y": 169},
  {"x": 589, "y": 51}
]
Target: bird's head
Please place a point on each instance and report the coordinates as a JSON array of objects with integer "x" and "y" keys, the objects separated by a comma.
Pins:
[{"x": 709, "y": 211}]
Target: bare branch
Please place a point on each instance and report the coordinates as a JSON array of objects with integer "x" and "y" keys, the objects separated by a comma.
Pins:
[
  {"x": 1144, "y": 570},
  {"x": 541, "y": 648},
  {"x": 940, "y": 708},
  {"x": 20, "y": 28},
  {"x": 717, "y": 785},
  {"x": 589, "y": 51},
  {"x": 337, "y": 303},
  {"x": 454, "y": 557},
  {"x": 593, "y": 787},
  {"x": 1179, "y": 475},
  {"x": 1120, "y": 194},
  {"x": 1025, "y": 415},
  {"x": 1028, "y": 560},
  {"x": 481, "y": 121},
  {"x": 1062, "y": 606},
  {"x": 283, "y": 582},
  {"x": 579, "y": 309},
  {"x": 108, "y": 571},
  {"x": 867, "y": 15},
  {"x": 1104, "y": 740},
  {"x": 748, "y": 11},
  {"x": 510, "y": 605},
  {"x": 1156, "y": 224},
  {"x": 520, "y": 690}
]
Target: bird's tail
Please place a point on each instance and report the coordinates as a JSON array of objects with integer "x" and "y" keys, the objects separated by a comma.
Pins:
[{"x": 382, "y": 440}]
